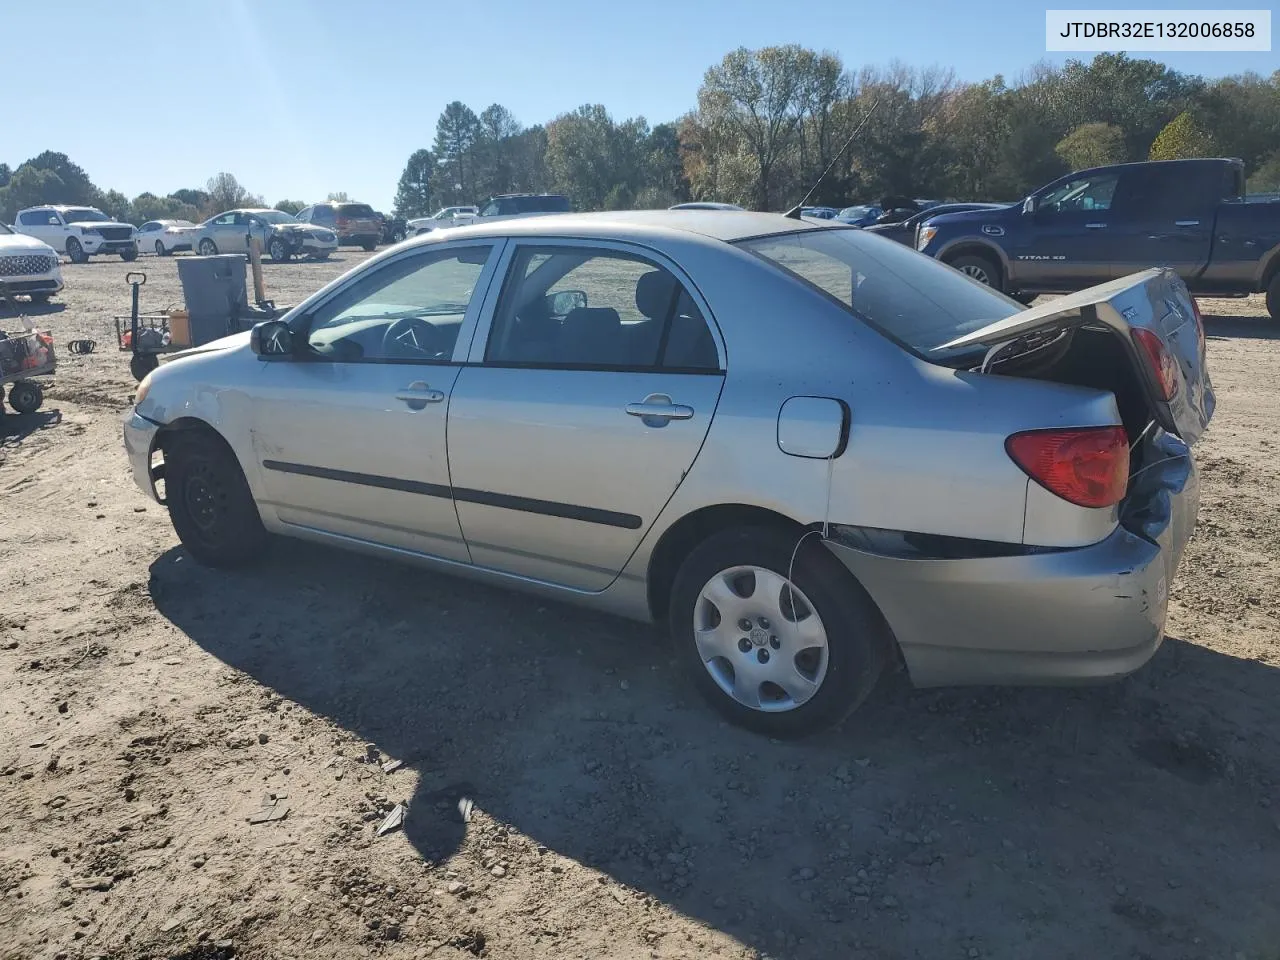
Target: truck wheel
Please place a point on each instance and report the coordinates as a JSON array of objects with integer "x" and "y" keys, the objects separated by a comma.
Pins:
[
  {"x": 140, "y": 364},
  {"x": 369, "y": 245},
  {"x": 979, "y": 268},
  {"x": 25, "y": 396},
  {"x": 75, "y": 251},
  {"x": 279, "y": 251},
  {"x": 397, "y": 236},
  {"x": 208, "y": 248},
  {"x": 128, "y": 256},
  {"x": 160, "y": 251},
  {"x": 210, "y": 504},
  {"x": 1273, "y": 297}
]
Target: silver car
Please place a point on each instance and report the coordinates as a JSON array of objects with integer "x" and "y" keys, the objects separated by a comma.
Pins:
[
  {"x": 279, "y": 235},
  {"x": 807, "y": 450}
]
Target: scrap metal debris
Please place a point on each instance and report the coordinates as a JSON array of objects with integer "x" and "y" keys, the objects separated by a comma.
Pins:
[
  {"x": 394, "y": 820},
  {"x": 465, "y": 806},
  {"x": 272, "y": 809},
  {"x": 391, "y": 766}
]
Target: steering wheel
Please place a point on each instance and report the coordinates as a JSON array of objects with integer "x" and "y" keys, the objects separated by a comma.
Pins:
[{"x": 413, "y": 336}]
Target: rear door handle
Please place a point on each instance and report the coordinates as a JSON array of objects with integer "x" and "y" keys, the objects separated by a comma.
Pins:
[
  {"x": 1095, "y": 226},
  {"x": 1186, "y": 223},
  {"x": 418, "y": 394},
  {"x": 657, "y": 409}
]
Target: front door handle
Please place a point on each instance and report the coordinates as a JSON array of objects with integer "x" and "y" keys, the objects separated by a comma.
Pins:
[
  {"x": 418, "y": 394},
  {"x": 656, "y": 410},
  {"x": 1095, "y": 226},
  {"x": 1186, "y": 223}
]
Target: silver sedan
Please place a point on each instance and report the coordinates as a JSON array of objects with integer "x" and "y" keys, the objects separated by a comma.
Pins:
[{"x": 809, "y": 451}]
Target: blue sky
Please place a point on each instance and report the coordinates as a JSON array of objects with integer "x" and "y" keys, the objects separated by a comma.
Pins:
[{"x": 298, "y": 98}]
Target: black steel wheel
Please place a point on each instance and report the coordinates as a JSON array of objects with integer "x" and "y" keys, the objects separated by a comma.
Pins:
[
  {"x": 25, "y": 396},
  {"x": 210, "y": 504}
]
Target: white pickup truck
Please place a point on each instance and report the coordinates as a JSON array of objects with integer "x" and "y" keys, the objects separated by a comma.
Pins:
[{"x": 79, "y": 232}]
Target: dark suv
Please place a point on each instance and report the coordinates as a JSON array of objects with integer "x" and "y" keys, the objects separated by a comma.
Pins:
[
  {"x": 508, "y": 205},
  {"x": 354, "y": 223}
]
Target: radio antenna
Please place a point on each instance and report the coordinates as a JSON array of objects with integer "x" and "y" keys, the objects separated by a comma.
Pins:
[{"x": 794, "y": 212}]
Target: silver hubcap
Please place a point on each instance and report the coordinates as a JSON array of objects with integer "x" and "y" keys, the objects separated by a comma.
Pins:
[
  {"x": 760, "y": 638},
  {"x": 975, "y": 271}
]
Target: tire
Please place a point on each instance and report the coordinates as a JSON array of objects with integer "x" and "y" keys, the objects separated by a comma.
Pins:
[
  {"x": 1273, "y": 297},
  {"x": 128, "y": 256},
  {"x": 140, "y": 364},
  {"x": 40, "y": 297},
  {"x": 25, "y": 396},
  {"x": 1026, "y": 299},
  {"x": 397, "y": 236},
  {"x": 75, "y": 252},
  {"x": 982, "y": 269},
  {"x": 279, "y": 251},
  {"x": 160, "y": 250},
  {"x": 207, "y": 248},
  {"x": 840, "y": 678},
  {"x": 369, "y": 245},
  {"x": 210, "y": 505}
]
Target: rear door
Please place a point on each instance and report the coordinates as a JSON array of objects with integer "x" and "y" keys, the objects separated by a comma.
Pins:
[
  {"x": 1164, "y": 218},
  {"x": 1069, "y": 242},
  {"x": 585, "y": 403},
  {"x": 1154, "y": 303},
  {"x": 44, "y": 225}
]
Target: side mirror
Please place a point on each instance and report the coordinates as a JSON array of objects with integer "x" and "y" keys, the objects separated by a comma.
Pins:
[
  {"x": 271, "y": 338},
  {"x": 1029, "y": 206},
  {"x": 566, "y": 301}
]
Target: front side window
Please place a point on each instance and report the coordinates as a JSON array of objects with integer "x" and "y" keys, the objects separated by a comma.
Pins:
[
  {"x": 577, "y": 307},
  {"x": 914, "y": 300},
  {"x": 1082, "y": 194},
  {"x": 226, "y": 220},
  {"x": 407, "y": 311}
]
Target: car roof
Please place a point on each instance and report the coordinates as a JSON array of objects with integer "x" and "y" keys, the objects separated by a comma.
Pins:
[{"x": 727, "y": 225}]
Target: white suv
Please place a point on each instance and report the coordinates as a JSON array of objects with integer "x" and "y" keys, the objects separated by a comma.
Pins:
[
  {"x": 28, "y": 267},
  {"x": 79, "y": 232}
]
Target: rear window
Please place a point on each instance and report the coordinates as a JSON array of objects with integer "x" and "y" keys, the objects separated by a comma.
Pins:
[
  {"x": 541, "y": 204},
  {"x": 912, "y": 299},
  {"x": 355, "y": 210}
]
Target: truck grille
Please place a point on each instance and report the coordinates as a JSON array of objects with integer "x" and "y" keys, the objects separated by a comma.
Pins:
[
  {"x": 115, "y": 233},
  {"x": 24, "y": 265}
]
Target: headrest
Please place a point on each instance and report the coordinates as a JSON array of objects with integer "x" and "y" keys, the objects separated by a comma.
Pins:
[{"x": 654, "y": 293}]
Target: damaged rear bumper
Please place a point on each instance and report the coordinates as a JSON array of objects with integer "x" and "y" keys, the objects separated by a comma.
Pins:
[{"x": 1043, "y": 617}]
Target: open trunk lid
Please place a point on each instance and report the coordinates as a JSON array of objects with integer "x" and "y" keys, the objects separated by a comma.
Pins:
[{"x": 1155, "y": 318}]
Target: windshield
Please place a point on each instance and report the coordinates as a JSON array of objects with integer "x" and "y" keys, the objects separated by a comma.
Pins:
[
  {"x": 83, "y": 214},
  {"x": 910, "y": 298},
  {"x": 274, "y": 216}
]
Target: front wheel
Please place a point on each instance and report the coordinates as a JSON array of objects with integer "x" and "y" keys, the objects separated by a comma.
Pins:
[
  {"x": 210, "y": 505},
  {"x": 140, "y": 364},
  {"x": 75, "y": 252},
  {"x": 160, "y": 251},
  {"x": 978, "y": 268},
  {"x": 279, "y": 250},
  {"x": 25, "y": 396},
  {"x": 207, "y": 248},
  {"x": 397, "y": 236},
  {"x": 40, "y": 298},
  {"x": 774, "y": 632},
  {"x": 1273, "y": 297},
  {"x": 128, "y": 256}
]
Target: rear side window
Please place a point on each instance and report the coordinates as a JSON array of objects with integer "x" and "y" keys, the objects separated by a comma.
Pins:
[
  {"x": 914, "y": 300},
  {"x": 576, "y": 307},
  {"x": 38, "y": 218},
  {"x": 541, "y": 205},
  {"x": 322, "y": 215}
]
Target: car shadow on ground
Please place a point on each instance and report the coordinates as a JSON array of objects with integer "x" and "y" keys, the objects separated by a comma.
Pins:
[
  {"x": 1253, "y": 327},
  {"x": 933, "y": 823},
  {"x": 19, "y": 308}
]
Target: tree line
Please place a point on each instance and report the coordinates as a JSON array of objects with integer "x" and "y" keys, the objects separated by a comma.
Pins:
[{"x": 767, "y": 122}]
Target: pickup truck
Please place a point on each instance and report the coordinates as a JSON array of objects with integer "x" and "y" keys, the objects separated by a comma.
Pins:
[{"x": 1094, "y": 225}]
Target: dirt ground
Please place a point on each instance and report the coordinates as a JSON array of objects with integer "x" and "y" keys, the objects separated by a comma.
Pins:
[{"x": 149, "y": 707}]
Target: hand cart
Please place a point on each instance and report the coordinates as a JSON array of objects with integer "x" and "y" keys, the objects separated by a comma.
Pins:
[
  {"x": 23, "y": 356},
  {"x": 145, "y": 335}
]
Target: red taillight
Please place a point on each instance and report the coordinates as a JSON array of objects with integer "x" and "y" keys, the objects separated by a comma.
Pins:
[
  {"x": 1088, "y": 466},
  {"x": 1159, "y": 361}
]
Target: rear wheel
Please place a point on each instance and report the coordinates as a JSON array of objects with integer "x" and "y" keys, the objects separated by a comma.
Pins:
[
  {"x": 1273, "y": 297},
  {"x": 75, "y": 252},
  {"x": 980, "y": 268},
  {"x": 779, "y": 639},
  {"x": 369, "y": 245},
  {"x": 210, "y": 505},
  {"x": 207, "y": 248},
  {"x": 25, "y": 396}
]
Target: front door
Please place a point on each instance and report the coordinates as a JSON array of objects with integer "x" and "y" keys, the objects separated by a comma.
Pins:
[
  {"x": 584, "y": 406},
  {"x": 349, "y": 434},
  {"x": 1069, "y": 243}
]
